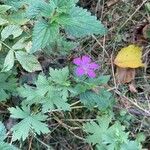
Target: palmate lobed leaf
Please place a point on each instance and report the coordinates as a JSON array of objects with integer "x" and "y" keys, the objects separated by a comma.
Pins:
[
  {"x": 109, "y": 137},
  {"x": 31, "y": 122},
  {"x": 51, "y": 92},
  {"x": 60, "y": 76}
]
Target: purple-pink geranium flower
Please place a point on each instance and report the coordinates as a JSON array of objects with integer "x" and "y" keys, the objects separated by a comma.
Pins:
[{"x": 85, "y": 66}]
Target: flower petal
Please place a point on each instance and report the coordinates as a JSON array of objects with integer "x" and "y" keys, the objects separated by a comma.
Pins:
[
  {"x": 86, "y": 59},
  {"x": 80, "y": 71},
  {"x": 77, "y": 61},
  {"x": 91, "y": 73},
  {"x": 93, "y": 66}
]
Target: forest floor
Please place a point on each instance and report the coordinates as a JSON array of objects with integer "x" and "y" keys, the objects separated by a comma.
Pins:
[{"x": 125, "y": 20}]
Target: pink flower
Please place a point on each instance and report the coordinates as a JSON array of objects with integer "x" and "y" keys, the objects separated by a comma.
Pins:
[{"x": 85, "y": 66}]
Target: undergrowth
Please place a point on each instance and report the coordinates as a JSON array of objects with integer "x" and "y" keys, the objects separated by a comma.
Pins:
[{"x": 57, "y": 79}]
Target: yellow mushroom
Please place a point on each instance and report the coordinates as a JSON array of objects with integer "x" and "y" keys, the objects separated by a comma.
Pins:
[{"x": 129, "y": 57}]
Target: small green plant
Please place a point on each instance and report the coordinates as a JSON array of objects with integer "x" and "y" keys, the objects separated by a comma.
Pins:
[
  {"x": 30, "y": 28},
  {"x": 107, "y": 136}
]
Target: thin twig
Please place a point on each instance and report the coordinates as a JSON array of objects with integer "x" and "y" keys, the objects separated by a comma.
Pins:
[
  {"x": 131, "y": 101},
  {"x": 132, "y": 15},
  {"x": 100, "y": 45},
  {"x": 48, "y": 147}
]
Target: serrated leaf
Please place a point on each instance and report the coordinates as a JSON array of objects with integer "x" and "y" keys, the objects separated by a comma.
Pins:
[
  {"x": 19, "y": 113},
  {"x": 11, "y": 30},
  {"x": 64, "y": 5},
  {"x": 79, "y": 23},
  {"x": 30, "y": 123},
  {"x": 9, "y": 61},
  {"x": 43, "y": 34},
  {"x": 51, "y": 93},
  {"x": 28, "y": 61},
  {"x": 60, "y": 76},
  {"x": 4, "y": 8},
  {"x": 106, "y": 136},
  {"x": 16, "y": 4},
  {"x": 103, "y": 99},
  {"x": 2, "y": 131},
  {"x": 39, "y": 8}
]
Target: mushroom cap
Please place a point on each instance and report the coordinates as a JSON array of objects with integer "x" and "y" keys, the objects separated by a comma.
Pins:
[{"x": 129, "y": 57}]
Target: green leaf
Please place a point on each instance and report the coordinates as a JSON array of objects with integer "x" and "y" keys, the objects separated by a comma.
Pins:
[
  {"x": 43, "y": 34},
  {"x": 28, "y": 61},
  {"x": 8, "y": 85},
  {"x": 103, "y": 99},
  {"x": 3, "y": 95},
  {"x": 39, "y": 8},
  {"x": 4, "y": 8},
  {"x": 64, "y": 5},
  {"x": 6, "y": 146},
  {"x": 51, "y": 93},
  {"x": 16, "y": 4},
  {"x": 130, "y": 146},
  {"x": 2, "y": 131},
  {"x": 79, "y": 23},
  {"x": 30, "y": 122},
  {"x": 19, "y": 44},
  {"x": 11, "y": 30},
  {"x": 97, "y": 131},
  {"x": 100, "y": 80},
  {"x": 18, "y": 18},
  {"x": 60, "y": 47},
  {"x": 3, "y": 21},
  {"x": 9, "y": 61},
  {"x": 147, "y": 5},
  {"x": 60, "y": 76},
  {"x": 108, "y": 137}
]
